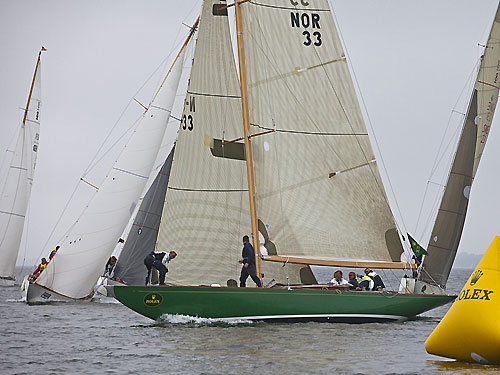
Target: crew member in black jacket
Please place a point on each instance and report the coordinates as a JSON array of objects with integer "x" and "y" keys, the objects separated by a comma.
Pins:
[
  {"x": 159, "y": 262},
  {"x": 248, "y": 262}
]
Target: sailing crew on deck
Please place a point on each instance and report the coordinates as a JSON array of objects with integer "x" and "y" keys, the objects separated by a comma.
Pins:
[
  {"x": 353, "y": 281},
  {"x": 366, "y": 282},
  {"x": 378, "y": 284},
  {"x": 338, "y": 279},
  {"x": 159, "y": 262},
  {"x": 40, "y": 269},
  {"x": 248, "y": 261}
]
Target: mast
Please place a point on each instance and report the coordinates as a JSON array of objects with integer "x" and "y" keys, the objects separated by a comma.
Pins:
[
  {"x": 33, "y": 84},
  {"x": 246, "y": 131}
]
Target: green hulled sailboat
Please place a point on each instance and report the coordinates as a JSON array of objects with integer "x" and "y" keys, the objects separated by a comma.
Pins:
[{"x": 300, "y": 173}]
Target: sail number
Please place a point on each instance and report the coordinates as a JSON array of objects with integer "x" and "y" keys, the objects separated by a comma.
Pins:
[
  {"x": 187, "y": 122},
  {"x": 308, "y": 40},
  {"x": 306, "y": 21}
]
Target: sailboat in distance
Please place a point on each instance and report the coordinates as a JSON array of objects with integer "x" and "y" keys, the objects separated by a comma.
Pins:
[
  {"x": 283, "y": 153},
  {"x": 16, "y": 188}
]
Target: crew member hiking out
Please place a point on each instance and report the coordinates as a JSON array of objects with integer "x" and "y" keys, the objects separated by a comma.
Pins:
[
  {"x": 248, "y": 261},
  {"x": 158, "y": 261}
]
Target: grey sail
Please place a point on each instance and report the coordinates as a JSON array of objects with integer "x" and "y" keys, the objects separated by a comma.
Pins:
[
  {"x": 142, "y": 237},
  {"x": 450, "y": 220},
  {"x": 447, "y": 231}
]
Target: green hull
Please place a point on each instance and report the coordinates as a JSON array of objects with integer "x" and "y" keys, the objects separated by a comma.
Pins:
[{"x": 275, "y": 304}]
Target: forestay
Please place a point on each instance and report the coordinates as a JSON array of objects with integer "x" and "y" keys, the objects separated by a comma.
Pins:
[
  {"x": 19, "y": 180},
  {"x": 84, "y": 251},
  {"x": 206, "y": 210},
  {"x": 447, "y": 231},
  {"x": 318, "y": 188}
]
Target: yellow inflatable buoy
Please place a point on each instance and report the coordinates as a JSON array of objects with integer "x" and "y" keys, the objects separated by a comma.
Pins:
[{"x": 470, "y": 330}]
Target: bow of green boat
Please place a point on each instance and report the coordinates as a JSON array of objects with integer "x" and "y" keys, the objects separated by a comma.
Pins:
[{"x": 319, "y": 303}]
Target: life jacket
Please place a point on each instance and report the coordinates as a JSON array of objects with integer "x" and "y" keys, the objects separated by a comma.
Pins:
[
  {"x": 370, "y": 281},
  {"x": 42, "y": 266}
]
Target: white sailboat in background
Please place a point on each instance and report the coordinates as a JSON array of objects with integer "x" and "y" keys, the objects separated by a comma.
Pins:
[
  {"x": 16, "y": 188},
  {"x": 74, "y": 270}
]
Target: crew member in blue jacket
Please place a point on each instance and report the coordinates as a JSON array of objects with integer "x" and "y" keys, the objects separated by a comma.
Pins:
[{"x": 248, "y": 262}]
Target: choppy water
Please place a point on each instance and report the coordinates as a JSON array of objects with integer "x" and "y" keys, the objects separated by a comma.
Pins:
[{"x": 104, "y": 337}]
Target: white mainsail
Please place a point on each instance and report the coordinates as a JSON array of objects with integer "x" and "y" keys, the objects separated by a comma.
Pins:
[
  {"x": 19, "y": 180},
  {"x": 206, "y": 210},
  {"x": 77, "y": 265},
  {"x": 318, "y": 189},
  {"x": 447, "y": 230}
]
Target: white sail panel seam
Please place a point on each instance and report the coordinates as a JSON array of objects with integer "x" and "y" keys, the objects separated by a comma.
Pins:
[
  {"x": 20, "y": 168},
  {"x": 160, "y": 108},
  {"x": 11, "y": 213},
  {"x": 130, "y": 173}
]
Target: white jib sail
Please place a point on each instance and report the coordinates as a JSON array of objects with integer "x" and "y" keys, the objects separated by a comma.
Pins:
[
  {"x": 75, "y": 269},
  {"x": 19, "y": 180},
  {"x": 318, "y": 188}
]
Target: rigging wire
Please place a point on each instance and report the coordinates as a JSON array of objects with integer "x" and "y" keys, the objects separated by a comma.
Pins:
[{"x": 441, "y": 153}]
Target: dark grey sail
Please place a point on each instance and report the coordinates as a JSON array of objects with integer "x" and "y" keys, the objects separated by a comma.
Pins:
[
  {"x": 142, "y": 237},
  {"x": 449, "y": 224}
]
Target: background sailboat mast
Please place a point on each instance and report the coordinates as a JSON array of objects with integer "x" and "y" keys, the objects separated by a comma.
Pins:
[
  {"x": 246, "y": 131},
  {"x": 32, "y": 85}
]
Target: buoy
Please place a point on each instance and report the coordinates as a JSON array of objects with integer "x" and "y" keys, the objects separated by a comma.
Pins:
[{"x": 470, "y": 330}]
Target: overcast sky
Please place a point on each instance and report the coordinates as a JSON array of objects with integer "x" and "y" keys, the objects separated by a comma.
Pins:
[{"x": 412, "y": 61}]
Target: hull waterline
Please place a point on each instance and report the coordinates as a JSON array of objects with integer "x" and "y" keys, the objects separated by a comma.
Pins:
[{"x": 276, "y": 304}]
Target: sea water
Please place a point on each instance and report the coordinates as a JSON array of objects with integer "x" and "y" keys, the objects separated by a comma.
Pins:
[{"x": 104, "y": 337}]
